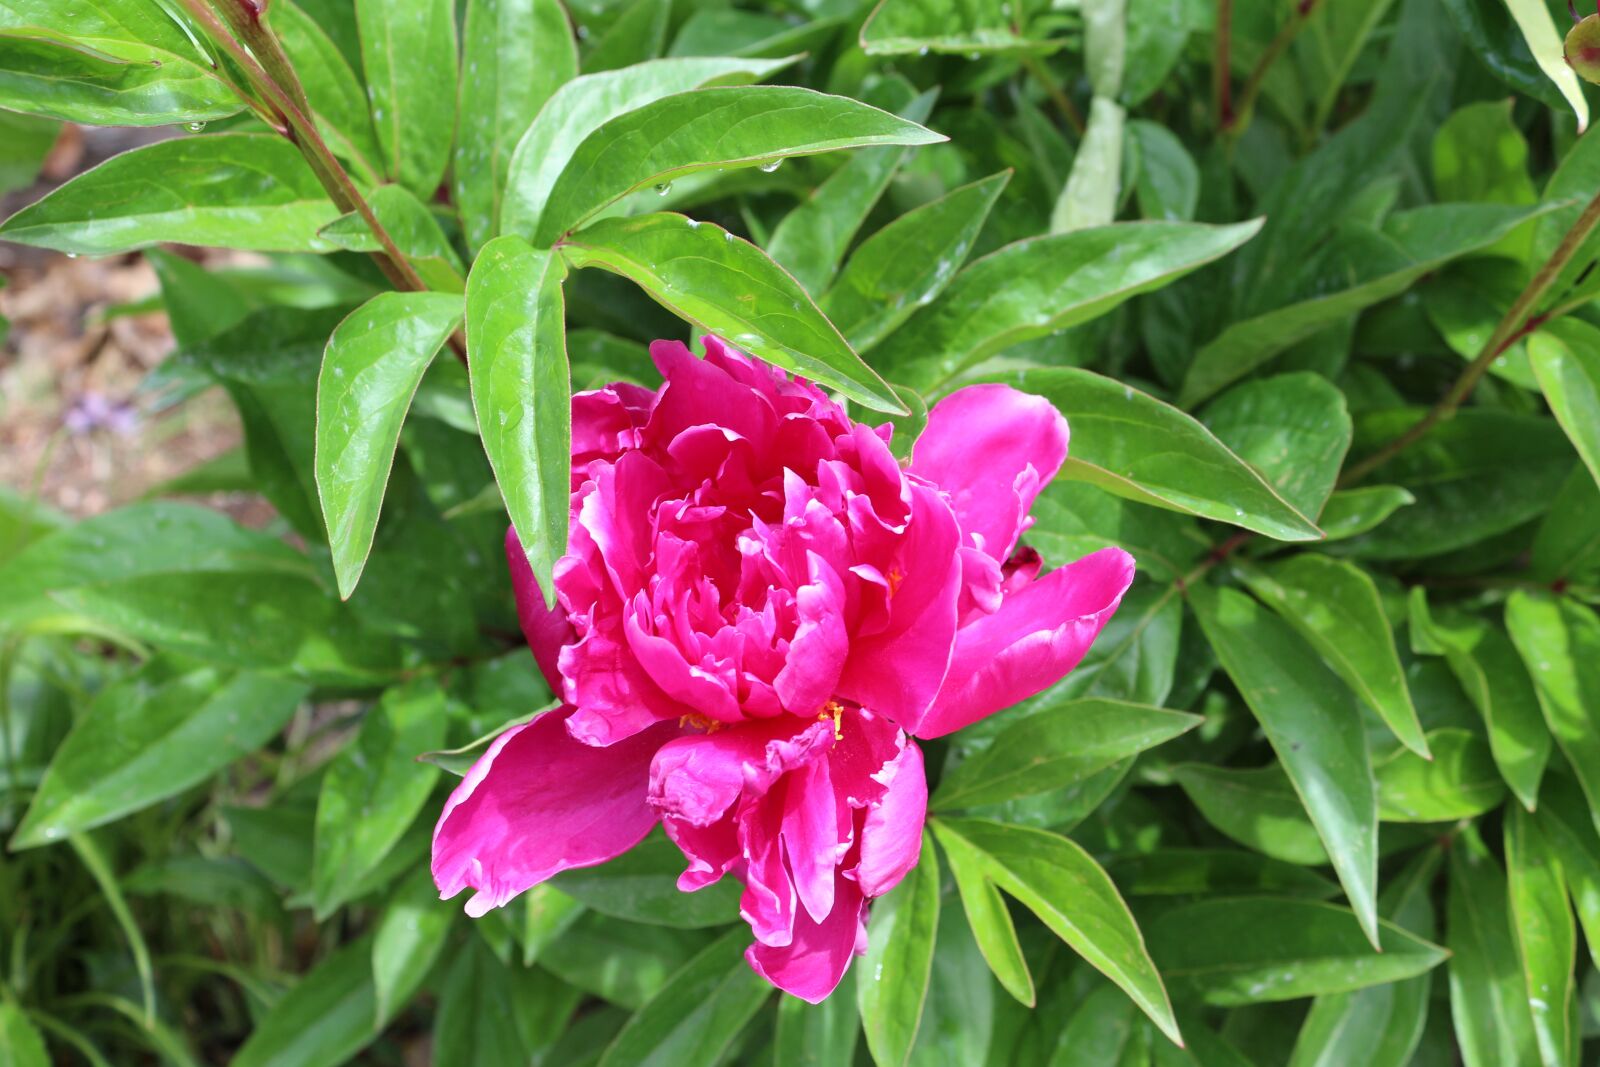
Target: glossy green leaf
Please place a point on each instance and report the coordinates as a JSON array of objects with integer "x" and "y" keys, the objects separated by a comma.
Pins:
[
  {"x": 584, "y": 104},
  {"x": 729, "y": 287},
  {"x": 1559, "y": 640},
  {"x": 232, "y": 190},
  {"x": 1488, "y": 1002},
  {"x": 370, "y": 372},
  {"x": 1336, "y": 607},
  {"x": 408, "y": 49},
  {"x": 1566, "y": 359},
  {"x": 413, "y": 228},
  {"x": 909, "y": 262},
  {"x": 730, "y": 126},
  {"x": 1293, "y": 428},
  {"x": 516, "y": 53},
  {"x": 1568, "y": 539},
  {"x": 1569, "y": 829},
  {"x": 374, "y": 789},
  {"x": 636, "y": 35},
  {"x": 818, "y": 1035},
  {"x": 1055, "y": 747},
  {"x": 1458, "y": 781},
  {"x": 1365, "y": 266},
  {"x": 1058, "y": 881},
  {"x": 1041, "y": 285},
  {"x": 1486, "y": 663},
  {"x": 152, "y": 736},
  {"x": 521, "y": 391},
  {"x": 1349, "y": 512},
  {"x": 892, "y": 979},
  {"x": 409, "y": 939},
  {"x": 1183, "y": 872},
  {"x": 1544, "y": 41},
  {"x": 1072, "y": 519},
  {"x": 1090, "y": 196},
  {"x": 987, "y": 916},
  {"x": 100, "y": 20},
  {"x": 1314, "y": 725},
  {"x": 476, "y": 1022},
  {"x": 108, "y": 83},
  {"x": 698, "y": 1013},
  {"x": 897, "y": 27},
  {"x": 641, "y": 885},
  {"x": 1546, "y": 938},
  {"x": 1247, "y": 950},
  {"x": 20, "y": 1040},
  {"x": 1257, "y": 808},
  {"x": 1167, "y": 183},
  {"x": 338, "y": 98},
  {"x": 1131, "y": 444}
]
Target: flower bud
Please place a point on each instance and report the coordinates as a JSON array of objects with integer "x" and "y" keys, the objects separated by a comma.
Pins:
[{"x": 1582, "y": 49}]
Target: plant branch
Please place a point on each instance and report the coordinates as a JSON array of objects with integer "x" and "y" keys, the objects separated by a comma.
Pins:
[
  {"x": 1518, "y": 321},
  {"x": 1058, "y": 96},
  {"x": 1239, "y": 117},
  {"x": 1221, "y": 79}
]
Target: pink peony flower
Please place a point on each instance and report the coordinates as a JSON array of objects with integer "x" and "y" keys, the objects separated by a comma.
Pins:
[{"x": 759, "y": 608}]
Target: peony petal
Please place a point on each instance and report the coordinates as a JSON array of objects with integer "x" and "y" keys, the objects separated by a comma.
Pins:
[
  {"x": 991, "y": 448},
  {"x": 821, "y": 642},
  {"x": 537, "y": 803},
  {"x": 546, "y": 629},
  {"x": 814, "y": 960},
  {"x": 616, "y": 699},
  {"x": 811, "y": 836},
  {"x": 1038, "y": 635},
  {"x": 891, "y": 838}
]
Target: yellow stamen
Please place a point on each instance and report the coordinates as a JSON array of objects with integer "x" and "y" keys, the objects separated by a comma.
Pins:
[
  {"x": 896, "y": 576},
  {"x": 835, "y": 711},
  {"x": 705, "y": 724}
]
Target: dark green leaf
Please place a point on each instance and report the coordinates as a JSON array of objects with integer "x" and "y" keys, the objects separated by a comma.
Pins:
[
  {"x": 641, "y": 885},
  {"x": 1547, "y": 942},
  {"x": 1105, "y": 1030},
  {"x": 99, "y": 866},
  {"x": 408, "y": 940},
  {"x": 408, "y": 48},
  {"x": 1488, "y": 1002},
  {"x": 1293, "y": 428},
  {"x": 637, "y": 35},
  {"x": 818, "y": 1035},
  {"x": 1349, "y": 512},
  {"x": 1215, "y": 872},
  {"x": 1258, "y": 808},
  {"x": 1568, "y": 540},
  {"x": 624, "y": 963},
  {"x": 892, "y": 979},
  {"x": 1168, "y": 182},
  {"x": 108, "y": 83},
  {"x": 476, "y": 1023}
]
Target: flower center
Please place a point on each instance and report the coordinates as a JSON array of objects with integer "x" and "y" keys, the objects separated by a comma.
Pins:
[
  {"x": 695, "y": 721},
  {"x": 835, "y": 711}
]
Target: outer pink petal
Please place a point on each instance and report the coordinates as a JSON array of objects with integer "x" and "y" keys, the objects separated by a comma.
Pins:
[
  {"x": 811, "y": 836},
  {"x": 891, "y": 838},
  {"x": 991, "y": 448},
  {"x": 1038, "y": 635},
  {"x": 546, "y": 630},
  {"x": 812, "y": 963},
  {"x": 537, "y": 803}
]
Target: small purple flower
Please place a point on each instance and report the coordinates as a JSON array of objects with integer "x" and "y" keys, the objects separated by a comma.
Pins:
[{"x": 93, "y": 411}]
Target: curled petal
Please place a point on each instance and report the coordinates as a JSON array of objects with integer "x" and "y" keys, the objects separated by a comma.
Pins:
[
  {"x": 814, "y": 960},
  {"x": 891, "y": 839}
]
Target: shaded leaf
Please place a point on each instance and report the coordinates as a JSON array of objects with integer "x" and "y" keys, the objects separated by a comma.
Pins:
[{"x": 892, "y": 980}]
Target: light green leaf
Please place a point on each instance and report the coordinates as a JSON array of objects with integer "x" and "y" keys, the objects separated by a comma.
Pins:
[
  {"x": 818, "y": 1035},
  {"x": 1546, "y": 939},
  {"x": 1458, "y": 781},
  {"x": 370, "y": 372},
  {"x": 1055, "y": 747},
  {"x": 127, "y": 21},
  {"x": 1293, "y": 428},
  {"x": 1249, "y": 950},
  {"x": 1349, "y": 512},
  {"x": 1559, "y": 640},
  {"x": 1131, "y": 444},
  {"x": 1257, "y": 808},
  {"x": 729, "y": 288},
  {"x": 1058, "y": 881},
  {"x": 517, "y": 53},
  {"x": 983, "y": 27},
  {"x": 584, "y": 104},
  {"x": 1361, "y": 267},
  {"x": 1044, "y": 284},
  {"x": 909, "y": 262},
  {"x": 1488, "y": 1001},
  {"x": 413, "y": 228},
  {"x": 149, "y": 737},
  {"x": 988, "y": 916},
  {"x": 1480, "y": 155},
  {"x": 374, "y": 788},
  {"x": 408, "y": 49},
  {"x": 892, "y": 979},
  {"x": 1568, "y": 826},
  {"x": 1315, "y": 728},
  {"x": 1566, "y": 359},
  {"x": 20, "y": 1042},
  {"x": 408, "y": 940},
  {"x": 231, "y": 190},
  {"x": 337, "y": 97},
  {"x": 1335, "y": 606},
  {"x": 730, "y": 126},
  {"x": 1090, "y": 196},
  {"x": 108, "y": 83},
  {"x": 641, "y": 885},
  {"x": 698, "y": 1012},
  {"x": 1539, "y": 30}
]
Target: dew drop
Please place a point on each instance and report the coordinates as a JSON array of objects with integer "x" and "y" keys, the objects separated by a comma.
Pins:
[
  {"x": 663, "y": 189},
  {"x": 194, "y": 127},
  {"x": 769, "y": 167}
]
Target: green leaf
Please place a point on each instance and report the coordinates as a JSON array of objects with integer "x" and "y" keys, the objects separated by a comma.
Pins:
[
  {"x": 1090, "y": 196},
  {"x": 1058, "y": 881},
  {"x": 232, "y": 190},
  {"x": 1044, "y": 284},
  {"x": 698, "y": 1013},
  {"x": 108, "y": 83},
  {"x": 1539, "y": 30},
  {"x": 1131, "y": 444},
  {"x": 1566, "y": 359},
  {"x": 1336, "y": 607},
  {"x": 408, "y": 49},
  {"x": 1056, "y": 747},
  {"x": 1315, "y": 728},
  {"x": 409, "y": 939},
  {"x": 909, "y": 262},
  {"x": 522, "y": 391},
  {"x": 624, "y": 963},
  {"x": 988, "y": 917},
  {"x": 22, "y": 1045},
  {"x": 1293, "y": 428},
  {"x": 729, "y": 288},
  {"x": 337, "y": 97},
  {"x": 1488, "y": 1002},
  {"x": 958, "y": 1018},
  {"x": 1185, "y": 872},
  {"x": 1105, "y": 1029},
  {"x": 1559, "y": 640},
  {"x": 1254, "y": 949},
  {"x": 374, "y": 788},
  {"x": 1458, "y": 781},
  {"x": 476, "y": 1023},
  {"x": 133, "y": 21},
  {"x": 200, "y": 304},
  {"x": 983, "y": 27},
  {"x": 584, "y": 104},
  {"x": 152, "y": 736},
  {"x": 1480, "y": 155},
  {"x": 1361, "y": 267},
  {"x": 1547, "y": 942},
  {"x": 1167, "y": 184},
  {"x": 370, "y": 372},
  {"x": 99, "y": 866},
  {"x": 1349, "y": 512},
  {"x": 413, "y": 228},
  {"x": 517, "y": 53},
  {"x": 818, "y": 1035},
  {"x": 730, "y": 126},
  {"x": 641, "y": 885},
  {"x": 1568, "y": 540},
  {"x": 1486, "y": 663},
  {"x": 1569, "y": 828},
  {"x": 1257, "y": 808},
  {"x": 1072, "y": 519},
  {"x": 1477, "y": 474},
  {"x": 892, "y": 979},
  {"x": 637, "y": 35}
]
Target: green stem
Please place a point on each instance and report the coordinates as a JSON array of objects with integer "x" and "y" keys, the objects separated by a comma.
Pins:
[
  {"x": 1518, "y": 321},
  {"x": 8, "y": 659},
  {"x": 1239, "y": 118},
  {"x": 1058, "y": 96}
]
